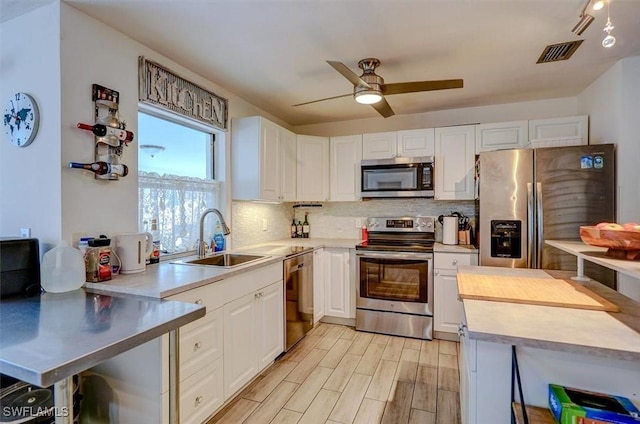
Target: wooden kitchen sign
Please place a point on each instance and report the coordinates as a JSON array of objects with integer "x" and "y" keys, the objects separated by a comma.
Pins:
[{"x": 533, "y": 291}]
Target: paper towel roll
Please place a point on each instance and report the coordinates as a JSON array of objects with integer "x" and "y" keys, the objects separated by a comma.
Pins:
[{"x": 450, "y": 230}]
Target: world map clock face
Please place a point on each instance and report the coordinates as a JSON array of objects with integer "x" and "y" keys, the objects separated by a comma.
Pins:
[{"x": 21, "y": 119}]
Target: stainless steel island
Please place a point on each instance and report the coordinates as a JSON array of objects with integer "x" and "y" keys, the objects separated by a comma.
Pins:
[{"x": 46, "y": 339}]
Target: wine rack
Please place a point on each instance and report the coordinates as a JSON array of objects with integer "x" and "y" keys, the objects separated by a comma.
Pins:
[{"x": 110, "y": 142}]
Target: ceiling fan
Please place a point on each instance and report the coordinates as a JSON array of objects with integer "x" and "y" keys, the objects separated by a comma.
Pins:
[{"x": 369, "y": 88}]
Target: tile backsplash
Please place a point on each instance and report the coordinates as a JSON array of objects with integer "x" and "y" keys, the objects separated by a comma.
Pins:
[{"x": 333, "y": 219}]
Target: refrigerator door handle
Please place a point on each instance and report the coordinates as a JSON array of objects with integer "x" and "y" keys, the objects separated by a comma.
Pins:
[
  {"x": 540, "y": 220},
  {"x": 530, "y": 226}
]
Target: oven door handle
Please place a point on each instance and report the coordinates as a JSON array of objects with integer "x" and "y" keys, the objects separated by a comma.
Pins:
[{"x": 395, "y": 255}]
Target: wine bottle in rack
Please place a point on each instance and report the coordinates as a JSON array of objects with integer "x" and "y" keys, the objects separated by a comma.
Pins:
[
  {"x": 102, "y": 130},
  {"x": 102, "y": 168}
]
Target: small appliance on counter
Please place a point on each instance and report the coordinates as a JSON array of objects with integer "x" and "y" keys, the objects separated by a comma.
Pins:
[
  {"x": 133, "y": 249},
  {"x": 19, "y": 267},
  {"x": 449, "y": 229}
]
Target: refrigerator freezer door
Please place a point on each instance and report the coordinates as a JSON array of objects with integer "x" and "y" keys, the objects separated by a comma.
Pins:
[
  {"x": 505, "y": 181},
  {"x": 575, "y": 186}
]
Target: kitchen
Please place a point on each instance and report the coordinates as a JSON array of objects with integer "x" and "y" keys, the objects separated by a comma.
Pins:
[{"x": 609, "y": 102}]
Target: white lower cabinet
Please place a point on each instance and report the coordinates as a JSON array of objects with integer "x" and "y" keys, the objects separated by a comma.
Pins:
[
  {"x": 318, "y": 285},
  {"x": 447, "y": 310},
  {"x": 201, "y": 395},
  {"x": 339, "y": 290},
  {"x": 253, "y": 335}
]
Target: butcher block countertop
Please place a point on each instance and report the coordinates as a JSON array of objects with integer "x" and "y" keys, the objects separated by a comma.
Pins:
[{"x": 592, "y": 332}]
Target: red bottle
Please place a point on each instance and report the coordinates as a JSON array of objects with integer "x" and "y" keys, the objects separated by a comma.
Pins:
[
  {"x": 365, "y": 234},
  {"x": 103, "y": 130}
]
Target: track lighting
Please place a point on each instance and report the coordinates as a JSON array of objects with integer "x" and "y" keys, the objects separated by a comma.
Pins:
[
  {"x": 583, "y": 24},
  {"x": 598, "y": 5}
]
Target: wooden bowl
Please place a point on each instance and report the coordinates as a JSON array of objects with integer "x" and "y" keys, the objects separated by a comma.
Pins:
[{"x": 620, "y": 244}]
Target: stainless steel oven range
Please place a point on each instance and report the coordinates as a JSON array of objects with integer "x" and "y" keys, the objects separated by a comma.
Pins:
[{"x": 394, "y": 290}]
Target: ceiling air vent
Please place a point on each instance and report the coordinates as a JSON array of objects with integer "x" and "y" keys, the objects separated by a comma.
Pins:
[{"x": 556, "y": 52}]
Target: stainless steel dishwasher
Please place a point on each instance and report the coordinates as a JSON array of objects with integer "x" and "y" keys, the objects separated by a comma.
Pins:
[{"x": 298, "y": 298}]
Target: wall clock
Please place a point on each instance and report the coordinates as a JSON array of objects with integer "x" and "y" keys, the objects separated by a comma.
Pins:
[{"x": 21, "y": 119}]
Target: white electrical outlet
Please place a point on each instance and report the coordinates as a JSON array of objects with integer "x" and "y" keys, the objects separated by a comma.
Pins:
[
  {"x": 358, "y": 223},
  {"x": 265, "y": 225},
  {"x": 25, "y": 232}
]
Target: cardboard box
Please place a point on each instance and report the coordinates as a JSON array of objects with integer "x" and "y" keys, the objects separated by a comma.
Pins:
[{"x": 575, "y": 406}]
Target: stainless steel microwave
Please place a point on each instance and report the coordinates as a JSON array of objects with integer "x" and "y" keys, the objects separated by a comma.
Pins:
[{"x": 397, "y": 177}]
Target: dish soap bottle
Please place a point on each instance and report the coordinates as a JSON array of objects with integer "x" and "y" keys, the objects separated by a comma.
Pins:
[
  {"x": 218, "y": 238},
  {"x": 62, "y": 269}
]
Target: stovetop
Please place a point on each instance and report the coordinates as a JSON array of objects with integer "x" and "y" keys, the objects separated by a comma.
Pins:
[{"x": 402, "y": 234}]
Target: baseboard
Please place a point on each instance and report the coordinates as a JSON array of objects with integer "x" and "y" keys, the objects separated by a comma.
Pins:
[
  {"x": 443, "y": 335},
  {"x": 351, "y": 322}
]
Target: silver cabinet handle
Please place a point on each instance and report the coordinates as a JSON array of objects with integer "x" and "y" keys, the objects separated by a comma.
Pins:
[
  {"x": 199, "y": 400},
  {"x": 257, "y": 295},
  {"x": 436, "y": 272},
  {"x": 454, "y": 262},
  {"x": 198, "y": 302},
  {"x": 197, "y": 346}
]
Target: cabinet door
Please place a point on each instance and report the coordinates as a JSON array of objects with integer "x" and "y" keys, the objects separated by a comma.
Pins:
[
  {"x": 338, "y": 293},
  {"x": 240, "y": 359},
  {"x": 501, "y": 135},
  {"x": 447, "y": 311},
  {"x": 270, "y": 324},
  {"x": 413, "y": 143},
  {"x": 380, "y": 145},
  {"x": 572, "y": 129},
  {"x": 346, "y": 154},
  {"x": 269, "y": 160},
  {"x": 318, "y": 285},
  {"x": 454, "y": 163},
  {"x": 288, "y": 168},
  {"x": 313, "y": 168}
]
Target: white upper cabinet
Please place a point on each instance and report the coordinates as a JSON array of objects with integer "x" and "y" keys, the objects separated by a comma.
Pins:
[
  {"x": 409, "y": 143},
  {"x": 346, "y": 154},
  {"x": 454, "y": 162},
  {"x": 312, "y": 168},
  {"x": 501, "y": 135},
  {"x": 572, "y": 130},
  {"x": 380, "y": 145},
  {"x": 262, "y": 160},
  {"x": 288, "y": 168},
  {"x": 414, "y": 143}
]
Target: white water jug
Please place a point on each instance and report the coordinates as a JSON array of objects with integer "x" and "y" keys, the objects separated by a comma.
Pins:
[
  {"x": 133, "y": 249},
  {"x": 62, "y": 269}
]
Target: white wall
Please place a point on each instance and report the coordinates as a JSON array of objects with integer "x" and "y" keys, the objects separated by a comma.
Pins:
[
  {"x": 551, "y": 108},
  {"x": 68, "y": 52},
  {"x": 30, "y": 187},
  {"x": 613, "y": 104}
]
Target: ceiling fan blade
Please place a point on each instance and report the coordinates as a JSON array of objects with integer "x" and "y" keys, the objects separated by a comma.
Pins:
[
  {"x": 322, "y": 100},
  {"x": 416, "y": 86},
  {"x": 348, "y": 73},
  {"x": 383, "y": 108}
]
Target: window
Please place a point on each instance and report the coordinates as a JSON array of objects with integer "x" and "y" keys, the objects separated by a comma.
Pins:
[{"x": 175, "y": 179}]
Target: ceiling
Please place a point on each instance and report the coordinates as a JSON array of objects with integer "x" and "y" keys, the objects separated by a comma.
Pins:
[{"x": 273, "y": 53}]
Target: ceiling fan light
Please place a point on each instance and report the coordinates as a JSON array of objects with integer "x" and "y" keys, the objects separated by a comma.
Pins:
[{"x": 368, "y": 97}]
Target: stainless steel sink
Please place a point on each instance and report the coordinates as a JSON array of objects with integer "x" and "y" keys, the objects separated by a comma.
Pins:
[{"x": 226, "y": 260}]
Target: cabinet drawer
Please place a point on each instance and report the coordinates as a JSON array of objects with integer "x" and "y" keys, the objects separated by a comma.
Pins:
[
  {"x": 205, "y": 296},
  {"x": 451, "y": 260},
  {"x": 201, "y": 394},
  {"x": 201, "y": 345}
]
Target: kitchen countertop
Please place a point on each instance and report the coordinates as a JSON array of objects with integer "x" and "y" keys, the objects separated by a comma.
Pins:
[
  {"x": 597, "y": 333},
  {"x": 454, "y": 248},
  {"x": 47, "y": 338},
  {"x": 167, "y": 279},
  {"x": 597, "y": 255}
]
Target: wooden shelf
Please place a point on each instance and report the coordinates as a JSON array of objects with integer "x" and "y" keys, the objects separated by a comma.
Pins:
[{"x": 535, "y": 414}]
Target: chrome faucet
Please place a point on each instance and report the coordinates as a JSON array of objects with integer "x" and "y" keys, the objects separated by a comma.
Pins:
[{"x": 225, "y": 229}]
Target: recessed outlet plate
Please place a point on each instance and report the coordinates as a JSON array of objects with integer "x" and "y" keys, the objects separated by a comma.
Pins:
[{"x": 25, "y": 232}]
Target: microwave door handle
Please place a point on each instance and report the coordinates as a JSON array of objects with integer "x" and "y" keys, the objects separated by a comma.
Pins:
[{"x": 530, "y": 226}]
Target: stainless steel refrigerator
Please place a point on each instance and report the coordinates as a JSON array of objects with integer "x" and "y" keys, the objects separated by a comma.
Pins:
[{"x": 527, "y": 196}]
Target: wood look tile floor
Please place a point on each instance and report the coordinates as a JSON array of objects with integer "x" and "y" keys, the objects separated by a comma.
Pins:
[{"x": 339, "y": 375}]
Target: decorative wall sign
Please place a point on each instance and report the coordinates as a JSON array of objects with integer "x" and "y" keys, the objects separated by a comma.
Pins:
[{"x": 160, "y": 87}]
